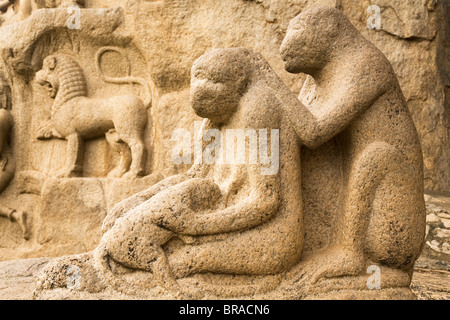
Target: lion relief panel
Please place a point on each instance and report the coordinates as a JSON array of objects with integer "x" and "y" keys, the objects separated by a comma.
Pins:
[{"x": 92, "y": 121}]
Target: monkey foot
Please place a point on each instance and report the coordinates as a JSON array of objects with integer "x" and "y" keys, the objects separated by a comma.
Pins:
[
  {"x": 339, "y": 262},
  {"x": 76, "y": 273}
]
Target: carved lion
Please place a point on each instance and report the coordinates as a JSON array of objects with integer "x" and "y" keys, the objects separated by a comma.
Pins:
[{"x": 76, "y": 118}]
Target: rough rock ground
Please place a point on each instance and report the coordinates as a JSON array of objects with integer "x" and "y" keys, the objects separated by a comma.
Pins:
[
  {"x": 431, "y": 279},
  {"x": 18, "y": 278}
]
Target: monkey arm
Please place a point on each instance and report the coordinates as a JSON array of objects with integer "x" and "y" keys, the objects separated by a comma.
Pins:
[
  {"x": 244, "y": 215},
  {"x": 313, "y": 128},
  {"x": 130, "y": 203},
  {"x": 260, "y": 206}
]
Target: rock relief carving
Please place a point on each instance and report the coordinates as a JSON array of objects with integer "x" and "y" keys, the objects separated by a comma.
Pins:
[
  {"x": 214, "y": 232},
  {"x": 7, "y": 162},
  {"x": 76, "y": 117}
]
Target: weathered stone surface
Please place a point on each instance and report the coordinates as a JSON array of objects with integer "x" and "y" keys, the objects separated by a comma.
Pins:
[
  {"x": 18, "y": 278},
  {"x": 437, "y": 240},
  {"x": 431, "y": 284},
  {"x": 79, "y": 200},
  {"x": 430, "y": 280},
  {"x": 237, "y": 229},
  {"x": 414, "y": 36},
  {"x": 92, "y": 96}
]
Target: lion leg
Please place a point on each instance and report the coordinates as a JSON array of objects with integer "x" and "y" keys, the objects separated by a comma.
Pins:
[
  {"x": 125, "y": 156},
  {"x": 138, "y": 153},
  {"x": 75, "y": 153}
]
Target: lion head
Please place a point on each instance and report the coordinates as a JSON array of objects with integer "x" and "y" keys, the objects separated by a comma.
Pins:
[{"x": 62, "y": 77}]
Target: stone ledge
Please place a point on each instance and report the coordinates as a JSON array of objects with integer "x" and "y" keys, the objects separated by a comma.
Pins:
[{"x": 18, "y": 279}]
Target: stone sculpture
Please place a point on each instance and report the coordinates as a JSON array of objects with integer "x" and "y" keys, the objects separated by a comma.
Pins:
[
  {"x": 7, "y": 163},
  {"x": 223, "y": 216},
  {"x": 213, "y": 200},
  {"x": 76, "y": 117},
  {"x": 225, "y": 230},
  {"x": 353, "y": 92},
  {"x": 25, "y": 41}
]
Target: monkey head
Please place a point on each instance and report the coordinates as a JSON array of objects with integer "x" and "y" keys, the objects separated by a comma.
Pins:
[
  {"x": 310, "y": 39},
  {"x": 219, "y": 78}
]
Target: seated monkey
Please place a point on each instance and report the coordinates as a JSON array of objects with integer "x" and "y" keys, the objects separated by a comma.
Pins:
[
  {"x": 257, "y": 218},
  {"x": 353, "y": 94}
]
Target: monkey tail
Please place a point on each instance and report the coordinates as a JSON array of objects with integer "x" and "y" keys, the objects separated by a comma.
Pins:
[
  {"x": 128, "y": 79},
  {"x": 116, "y": 281},
  {"x": 132, "y": 286}
]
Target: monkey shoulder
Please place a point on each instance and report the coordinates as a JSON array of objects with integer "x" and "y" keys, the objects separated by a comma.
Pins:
[
  {"x": 261, "y": 108},
  {"x": 368, "y": 76}
]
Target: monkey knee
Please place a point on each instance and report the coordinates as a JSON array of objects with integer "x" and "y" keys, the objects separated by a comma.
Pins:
[
  {"x": 382, "y": 155},
  {"x": 393, "y": 255},
  {"x": 136, "y": 249},
  {"x": 117, "y": 242},
  {"x": 393, "y": 238}
]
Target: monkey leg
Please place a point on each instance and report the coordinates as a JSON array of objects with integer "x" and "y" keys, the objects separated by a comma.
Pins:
[
  {"x": 250, "y": 252},
  {"x": 125, "y": 156},
  {"x": 75, "y": 154},
  {"x": 136, "y": 242},
  {"x": 396, "y": 230},
  {"x": 136, "y": 239},
  {"x": 383, "y": 213}
]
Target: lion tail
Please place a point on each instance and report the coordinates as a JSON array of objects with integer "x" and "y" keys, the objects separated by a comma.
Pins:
[{"x": 128, "y": 79}]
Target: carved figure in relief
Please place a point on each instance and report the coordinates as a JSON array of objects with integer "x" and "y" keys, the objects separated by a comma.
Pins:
[
  {"x": 221, "y": 221},
  {"x": 75, "y": 117},
  {"x": 7, "y": 164}
]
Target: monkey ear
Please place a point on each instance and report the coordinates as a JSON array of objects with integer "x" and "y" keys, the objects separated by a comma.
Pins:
[{"x": 52, "y": 63}]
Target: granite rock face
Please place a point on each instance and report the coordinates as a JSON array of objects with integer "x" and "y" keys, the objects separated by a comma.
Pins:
[
  {"x": 95, "y": 93},
  {"x": 232, "y": 227},
  {"x": 414, "y": 36}
]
